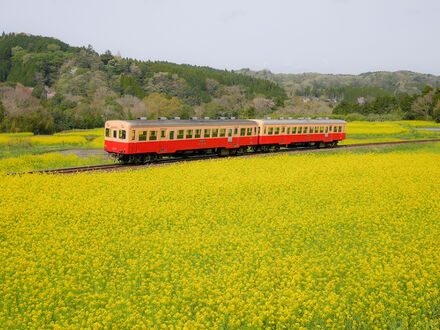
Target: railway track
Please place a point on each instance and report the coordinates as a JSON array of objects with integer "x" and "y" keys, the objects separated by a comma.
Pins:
[{"x": 168, "y": 161}]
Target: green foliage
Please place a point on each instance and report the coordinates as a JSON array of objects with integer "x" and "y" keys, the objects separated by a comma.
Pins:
[
  {"x": 39, "y": 92},
  {"x": 130, "y": 86},
  {"x": 2, "y": 111}
]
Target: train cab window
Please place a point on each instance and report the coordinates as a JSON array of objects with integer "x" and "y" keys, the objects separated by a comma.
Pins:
[
  {"x": 321, "y": 129},
  {"x": 242, "y": 131},
  {"x": 122, "y": 134},
  {"x": 163, "y": 133},
  {"x": 206, "y": 133},
  {"x": 198, "y": 132},
  {"x": 133, "y": 134},
  {"x": 107, "y": 132},
  {"x": 153, "y": 136},
  {"x": 249, "y": 131},
  {"x": 300, "y": 129},
  {"x": 222, "y": 132},
  {"x": 277, "y": 130},
  {"x": 143, "y": 136},
  {"x": 270, "y": 131},
  {"x": 229, "y": 132},
  {"x": 114, "y": 134},
  {"x": 189, "y": 133},
  {"x": 326, "y": 129},
  {"x": 283, "y": 130},
  {"x": 171, "y": 135},
  {"x": 235, "y": 131},
  {"x": 214, "y": 132},
  {"x": 180, "y": 134}
]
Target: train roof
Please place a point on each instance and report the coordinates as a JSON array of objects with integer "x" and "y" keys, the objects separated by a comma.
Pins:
[
  {"x": 300, "y": 121},
  {"x": 208, "y": 122}
]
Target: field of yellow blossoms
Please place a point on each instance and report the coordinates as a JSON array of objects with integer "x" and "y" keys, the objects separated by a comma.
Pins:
[{"x": 312, "y": 240}]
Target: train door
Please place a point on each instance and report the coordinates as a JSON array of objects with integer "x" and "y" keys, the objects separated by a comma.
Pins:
[{"x": 163, "y": 137}]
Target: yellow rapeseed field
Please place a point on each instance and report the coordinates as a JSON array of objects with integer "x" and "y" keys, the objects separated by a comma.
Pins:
[{"x": 317, "y": 240}]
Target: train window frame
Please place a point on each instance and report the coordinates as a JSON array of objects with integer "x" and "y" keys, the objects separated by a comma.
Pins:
[
  {"x": 283, "y": 130},
  {"x": 115, "y": 134},
  {"x": 152, "y": 136},
  {"x": 189, "y": 134},
  {"x": 229, "y": 132},
  {"x": 122, "y": 134},
  {"x": 171, "y": 135},
  {"x": 107, "y": 132},
  {"x": 180, "y": 134},
  {"x": 249, "y": 131},
  {"x": 329, "y": 129},
  {"x": 205, "y": 131},
  {"x": 133, "y": 135},
  {"x": 321, "y": 129},
  {"x": 235, "y": 131},
  {"x": 222, "y": 132},
  {"x": 214, "y": 133},
  {"x": 300, "y": 130},
  {"x": 142, "y": 136},
  {"x": 270, "y": 131},
  {"x": 265, "y": 131},
  {"x": 340, "y": 129},
  {"x": 316, "y": 129},
  {"x": 259, "y": 129},
  {"x": 242, "y": 131},
  {"x": 197, "y": 133},
  {"x": 277, "y": 131},
  {"x": 163, "y": 133},
  {"x": 294, "y": 130},
  {"x": 326, "y": 129},
  {"x": 288, "y": 131}
]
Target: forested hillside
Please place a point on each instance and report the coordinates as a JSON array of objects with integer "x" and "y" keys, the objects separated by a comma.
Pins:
[{"x": 47, "y": 85}]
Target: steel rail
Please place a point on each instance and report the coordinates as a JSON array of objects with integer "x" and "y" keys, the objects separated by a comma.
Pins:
[{"x": 169, "y": 161}]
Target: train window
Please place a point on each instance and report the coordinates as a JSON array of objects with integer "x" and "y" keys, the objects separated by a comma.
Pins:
[
  {"x": 222, "y": 132},
  {"x": 326, "y": 129},
  {"x": 133, "y": 134},
  {"x": 300, "y": 129},
  {"x": 242, "y": 131},
  {"x": 330, "y": 129},
  {"x": 293, "y": 130},
  {"x": 258, "y": 130},
  {"x": 277, "y": 130},
  {"x": 122, "y": 134},
  {"x": 180, "y": 134},
  {"x": 189, "y": 133},
  {"x": 249, "y": 131},
  {"x": 143, "y": 136},
  {"x": 171, "y": 135},
  {"x": 265, "y": 131},
  {"x": 321, "y": 129},
  {"x": 114, "y": 134},
  {"x": 288, "y": 130},
  {"x": 316, "y": 129},
  {"x": 163, "y": 133},
  {"x": 107, "y": 132},
  {"x": 214, "y": 132},
  {"x": 340, "y": 129},
  {"x": 198, "y": 132},
  {"x": 283, "y": 130},
  {"x": 207, "y": 133},
  {"x": 229, "y": 132},
  {"x": 235, "y": 131},
  {"x": 153, "y": 136},
  {"x": 270, "y": 131}
]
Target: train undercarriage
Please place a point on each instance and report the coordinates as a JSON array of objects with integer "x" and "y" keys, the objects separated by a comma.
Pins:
[{"x": 265, "y": 148}]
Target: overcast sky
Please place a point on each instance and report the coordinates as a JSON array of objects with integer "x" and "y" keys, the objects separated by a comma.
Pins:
[{"x": 326, "y": 36}]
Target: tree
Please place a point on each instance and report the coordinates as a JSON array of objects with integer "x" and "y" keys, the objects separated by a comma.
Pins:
[{"x": 2, "y": 111}]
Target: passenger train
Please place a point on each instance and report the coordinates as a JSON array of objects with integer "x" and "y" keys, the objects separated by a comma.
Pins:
[{"x": 143, "y": 141}]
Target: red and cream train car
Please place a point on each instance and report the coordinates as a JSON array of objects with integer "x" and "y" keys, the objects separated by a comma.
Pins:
[{"x": 141, "y": 141}]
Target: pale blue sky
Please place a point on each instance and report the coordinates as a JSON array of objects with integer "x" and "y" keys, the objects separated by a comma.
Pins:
[{"x": 326, "y": 36}]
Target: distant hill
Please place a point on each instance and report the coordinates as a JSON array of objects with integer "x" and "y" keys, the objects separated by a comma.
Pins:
[
  {"x": 394, "y": 82},
  {"x": 47, "y": 85}
]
